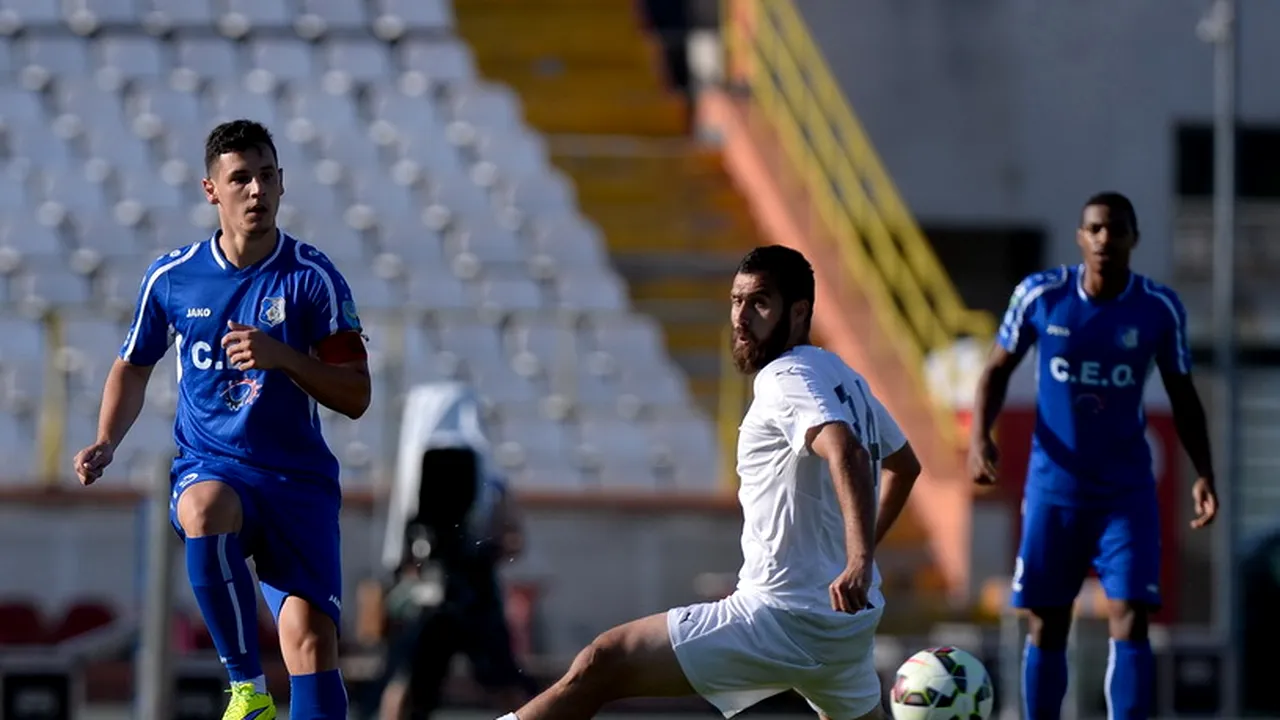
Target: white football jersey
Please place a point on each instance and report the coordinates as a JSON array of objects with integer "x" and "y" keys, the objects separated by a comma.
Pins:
[{"x": 793, "y": 531}]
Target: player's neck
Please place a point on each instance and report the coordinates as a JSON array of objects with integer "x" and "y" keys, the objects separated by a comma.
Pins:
[
  {"x": 1104, "y": 286},
  {"x": 244, "y": 249}
]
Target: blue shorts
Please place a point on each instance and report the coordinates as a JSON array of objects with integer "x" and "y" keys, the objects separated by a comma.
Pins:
[
  {"x": 1060, "y": 543},
  {"x": 290, "y": 530}
]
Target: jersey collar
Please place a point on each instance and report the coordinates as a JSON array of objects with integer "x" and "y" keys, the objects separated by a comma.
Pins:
[
  {"x": 1085, "y": 296},
  {"x": 222, "y": 261}
]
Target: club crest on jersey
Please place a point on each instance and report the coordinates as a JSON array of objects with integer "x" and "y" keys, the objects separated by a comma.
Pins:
[
  {"x": 349, "y": 312},
  {"x": 1129, "y": 338},
  {"x": 241, "y": 393},
  {"x": 272, "y": 311}
]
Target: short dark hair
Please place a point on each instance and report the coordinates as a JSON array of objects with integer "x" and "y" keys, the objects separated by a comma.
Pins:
[
  {"x": 237, "y": 136},
  {"x": 789, "y": 271},
  {"x": 1118, "y": 204}
]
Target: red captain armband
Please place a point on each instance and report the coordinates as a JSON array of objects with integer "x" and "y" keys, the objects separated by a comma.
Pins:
[{"x": 343, "y": 347}]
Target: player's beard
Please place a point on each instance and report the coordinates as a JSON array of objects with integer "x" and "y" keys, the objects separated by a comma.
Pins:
[{"x": 752, "y": 355}]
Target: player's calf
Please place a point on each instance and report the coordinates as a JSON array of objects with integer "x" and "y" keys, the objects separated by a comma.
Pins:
[
  {"x": 309, "y": 644},
  {"x": 1131, "y": 664},
  {"x": 1044, "y": 666},
  {"x": 631, "y": 660},
  {"x": 210, "y": 515}
]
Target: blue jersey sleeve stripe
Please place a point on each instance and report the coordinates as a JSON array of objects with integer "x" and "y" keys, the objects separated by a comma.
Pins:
[
  {"x": 328, "y": 286},
  {"x": 1030, "y": 289},
  {"x": 141, "y": 310},
  {"x": 1181, "y": 351}
]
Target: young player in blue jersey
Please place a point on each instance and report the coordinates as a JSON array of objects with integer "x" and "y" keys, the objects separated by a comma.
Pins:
[
  {"x": 1090, "y": 496},
  {"x": 264, "y": 328}
]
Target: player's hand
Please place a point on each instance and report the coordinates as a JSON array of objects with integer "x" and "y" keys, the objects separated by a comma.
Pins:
[
  {"x": 983, "y": 456},
  {"x": 91, "y": 461},
  {"x": 248, "y": 348},
  {"x": 849, "y": 591},
  {"x": 1205, "y": 499}
]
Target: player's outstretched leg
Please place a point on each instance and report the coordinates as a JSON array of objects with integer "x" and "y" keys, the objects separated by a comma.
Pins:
[
  {"x": 631, "y": 660},
  {"x": 1131, "y": 666},
  {"x": 1044, "y": 664},
  {"x": 309, "y": 643},
  {"x": 211, "y": 517}
]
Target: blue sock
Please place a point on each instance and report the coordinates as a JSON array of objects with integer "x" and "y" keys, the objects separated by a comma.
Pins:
[
  {"x": 1130, "y": 671},
  {"x": 223, "y": 588},
  {"x": 1044, "y": 682},
  {"x": 320, "y": 696}
]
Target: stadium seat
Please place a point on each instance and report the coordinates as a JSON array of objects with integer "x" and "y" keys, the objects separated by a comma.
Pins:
[
  {"x": 58, "y": 56},
  {"x": 134, "y": 57},
  {"x": 599, "y": 292},
  {"x": 262, "y": 13},
  {"x": 184, "y": 13},
  {"x": 82, "y": 617},
  {"x": 21, "y": 624},
  {"x": 365, "y": 61},
  {"x": 105, "y": 12},
  {"x": 443, "y": 61},
  {"x": 205, "y": 57},
  {"x": 416, "y": 15}
]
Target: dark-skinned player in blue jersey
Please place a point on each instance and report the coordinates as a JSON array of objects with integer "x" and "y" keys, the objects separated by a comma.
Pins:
[
  {"x": 264, "y": 329},
  {"x": 1090, "y": 497}
]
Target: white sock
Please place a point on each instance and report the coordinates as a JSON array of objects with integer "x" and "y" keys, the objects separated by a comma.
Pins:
[
  {"x": 259, "y": 683},
  {"x": 509, "y": 716}
]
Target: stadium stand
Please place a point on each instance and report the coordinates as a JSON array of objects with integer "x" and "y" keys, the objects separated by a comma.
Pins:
[
  {"x": 591, "y": 78},
  {"x": 464, "y": 245}
]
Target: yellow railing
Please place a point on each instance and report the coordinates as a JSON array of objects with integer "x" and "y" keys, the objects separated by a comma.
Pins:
[{"x": 880, "y": 243}]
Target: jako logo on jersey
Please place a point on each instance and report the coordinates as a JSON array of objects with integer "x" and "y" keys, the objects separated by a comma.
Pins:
[
  {"x": 241, "y": 393},
  {"x": 272, "y": 311},
  {"x": 1058, "y": 331},
  {"x": 1091, "y": 373},
  {"x": 199, "y": 312}
]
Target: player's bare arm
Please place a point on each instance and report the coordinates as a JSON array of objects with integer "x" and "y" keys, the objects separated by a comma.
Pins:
[
  {"x": 898, "y": 474},
  {"x": 122, "y": 398},
  {"x": 850, "y": 466},
  {"x": 1193, "y": 432},
  {"x": 993, "y": 385},
  {"x": 337, "y": 377}
]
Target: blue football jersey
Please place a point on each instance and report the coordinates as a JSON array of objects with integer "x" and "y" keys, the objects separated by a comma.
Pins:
[
  {"x": 1093, "y": 360},
  {"x": 257, "y": 417}
]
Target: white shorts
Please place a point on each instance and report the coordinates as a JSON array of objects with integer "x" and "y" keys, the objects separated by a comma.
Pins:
[{"x": 739, "y": 651}]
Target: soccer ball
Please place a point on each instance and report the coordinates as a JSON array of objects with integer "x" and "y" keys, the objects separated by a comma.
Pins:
[{"x": 942, "y": 683}]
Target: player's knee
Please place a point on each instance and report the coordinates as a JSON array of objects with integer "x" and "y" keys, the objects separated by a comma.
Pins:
[
  {"x": 599, "y": 666},
  {"x": 308, "y": 638},
  {"x": 1049, "y": 627},
  {"x": 209, "y": 508},
  {"x": 1128, "y": 620}
]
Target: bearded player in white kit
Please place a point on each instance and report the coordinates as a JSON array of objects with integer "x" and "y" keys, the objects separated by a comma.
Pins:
[{"x": 811, "y": 451}]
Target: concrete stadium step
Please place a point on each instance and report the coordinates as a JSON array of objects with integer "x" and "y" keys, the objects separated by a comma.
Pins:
[
  {"x": 530, "y": 30},
  {"x": 580, "y": 67},
  {"x": 609, "y": 112}
]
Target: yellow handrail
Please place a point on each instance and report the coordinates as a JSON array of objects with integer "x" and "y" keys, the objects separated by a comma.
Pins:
[{"x": 880, "y": 244}]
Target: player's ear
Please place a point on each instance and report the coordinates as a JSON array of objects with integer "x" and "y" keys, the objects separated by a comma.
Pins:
[
  {"x": 280, "y": 179},
  {"x": 210, "y": 192},
  {"x": 800, "y": 312}
]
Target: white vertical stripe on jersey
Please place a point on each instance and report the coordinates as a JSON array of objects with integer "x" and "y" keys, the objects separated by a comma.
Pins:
[
  {"x": 1179, "y": 331},
  {"x": 1014, "y": 318},
  {"x": 328, "y": 285},
  {"x": 146, "y": 295}
]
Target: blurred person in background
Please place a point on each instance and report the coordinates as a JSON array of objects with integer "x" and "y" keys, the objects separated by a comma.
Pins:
[
  {"x": 1090, "y": 498},
  {"x": 467, "y": 615}
]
